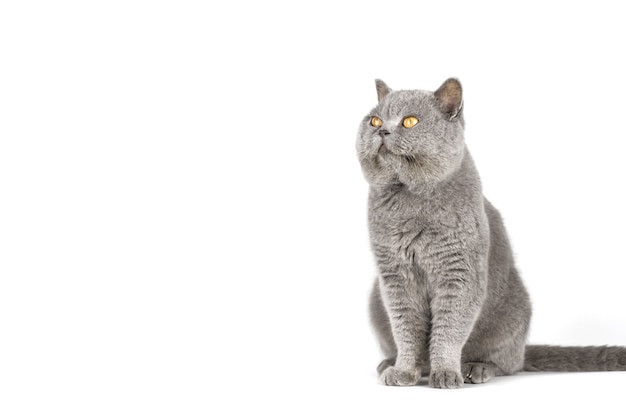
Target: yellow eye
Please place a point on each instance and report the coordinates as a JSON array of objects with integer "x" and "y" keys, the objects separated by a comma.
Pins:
[
  {"x": 410, "y": 121},
  {"x": 376, "y": 122}
]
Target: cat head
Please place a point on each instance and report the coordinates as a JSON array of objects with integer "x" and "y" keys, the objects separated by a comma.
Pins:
[{"x": 412, "y": 137}]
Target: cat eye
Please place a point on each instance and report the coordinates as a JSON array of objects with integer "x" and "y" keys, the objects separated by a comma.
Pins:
[
  {"x": 376, "y": 122},
  {"x": 410, "y": 121}
]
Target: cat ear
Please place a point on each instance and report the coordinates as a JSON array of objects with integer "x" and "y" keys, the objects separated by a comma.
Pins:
[
  {"x": 450, "y": 97},
  {"x": 382, "y": 89}
]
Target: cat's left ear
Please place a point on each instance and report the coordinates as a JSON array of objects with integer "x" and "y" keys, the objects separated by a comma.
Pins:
[
  {"x": 382, "y": 89},
  {"x": 450, "y": 97}
]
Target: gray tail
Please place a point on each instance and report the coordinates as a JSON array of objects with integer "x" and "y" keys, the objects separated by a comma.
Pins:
[{"x": 575, "y": 358}]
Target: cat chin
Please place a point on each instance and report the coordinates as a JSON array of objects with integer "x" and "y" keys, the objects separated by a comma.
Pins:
[
  {"x": 389, "y": 167},
  {"x": 416, "y": 171},
  {"x": 384, "y": 153}
]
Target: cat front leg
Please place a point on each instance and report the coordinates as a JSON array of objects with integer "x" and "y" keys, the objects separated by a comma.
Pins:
[
  {"x": 455, "y": 304},
  {"x": 406, "y": 308}
]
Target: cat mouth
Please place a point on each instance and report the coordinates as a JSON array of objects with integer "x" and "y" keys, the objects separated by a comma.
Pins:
[{"x": 384, "y": 153}]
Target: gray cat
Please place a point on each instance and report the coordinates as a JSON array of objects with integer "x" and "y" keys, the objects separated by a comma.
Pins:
[{"x": 447, "y": 300}]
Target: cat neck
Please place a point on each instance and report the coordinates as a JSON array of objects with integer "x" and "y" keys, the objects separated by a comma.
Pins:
[{"x": 462, "y": 180}]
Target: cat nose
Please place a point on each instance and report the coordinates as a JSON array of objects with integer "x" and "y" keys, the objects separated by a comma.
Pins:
[{"x": 383, "y": 133}]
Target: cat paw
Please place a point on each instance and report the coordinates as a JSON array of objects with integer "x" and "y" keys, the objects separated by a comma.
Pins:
[
  {"x": 386, "y": 363},
  {"x": 477, "y": 373},
  {"x": 445, "y": 378},
  {"x": 399, "y": 377}
]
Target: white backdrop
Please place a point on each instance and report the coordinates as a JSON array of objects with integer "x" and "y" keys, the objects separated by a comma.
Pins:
[{"x": 182, "y": 215}]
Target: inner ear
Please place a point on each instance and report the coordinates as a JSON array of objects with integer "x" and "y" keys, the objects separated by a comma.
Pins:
[
  {"x": 382, "y": 89},
  {"x": 450, "y": 97}
]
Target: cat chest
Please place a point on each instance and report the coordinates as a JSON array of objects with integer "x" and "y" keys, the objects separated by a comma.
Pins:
[
  {"x": 402, "y": 242},
  {"x": 417, "y": 243},
  {"x": 414, "y": 234}
]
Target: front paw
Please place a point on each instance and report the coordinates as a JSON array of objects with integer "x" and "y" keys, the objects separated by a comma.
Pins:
[
  {"x": 445, "y": 378},
  {"x": 400, "y": 377}
]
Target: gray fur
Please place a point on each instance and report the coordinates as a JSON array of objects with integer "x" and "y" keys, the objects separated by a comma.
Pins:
[
  {"x": 575, "y": 359},
  {"x": 447, "y": 300}
]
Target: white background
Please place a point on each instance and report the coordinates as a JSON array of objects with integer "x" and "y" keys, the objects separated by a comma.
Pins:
[{"x": 182, "y": 215}]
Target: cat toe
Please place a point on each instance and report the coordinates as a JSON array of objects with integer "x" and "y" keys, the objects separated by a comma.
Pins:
[
  {"x": 399, "y": 377},
  {"x": 477, "y": 373},
  {"x": 445, "y": 378}
]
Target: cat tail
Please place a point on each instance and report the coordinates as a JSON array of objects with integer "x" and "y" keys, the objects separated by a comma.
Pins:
[{"x": 574, "y": 358}]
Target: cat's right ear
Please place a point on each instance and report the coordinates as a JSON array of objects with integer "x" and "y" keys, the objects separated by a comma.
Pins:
[
  {"x": 382, "y": 89},
  {"x": 450, "y": 97}
]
